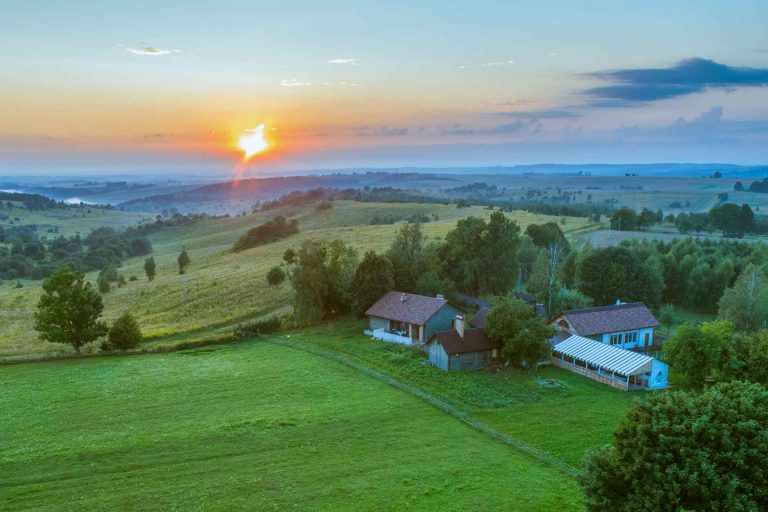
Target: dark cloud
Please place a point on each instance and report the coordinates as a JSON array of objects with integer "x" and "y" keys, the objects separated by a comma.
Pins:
[{"x": 638, "y": 86}]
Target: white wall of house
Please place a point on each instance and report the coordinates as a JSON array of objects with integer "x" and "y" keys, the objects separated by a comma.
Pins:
[{"x": 379, "y": 323}]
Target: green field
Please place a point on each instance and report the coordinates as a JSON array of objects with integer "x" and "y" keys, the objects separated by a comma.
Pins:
[
  {"x": 565, "y": 421},
  {"x": 221, "y": 288},
  {"x": 251, "y": 426}
]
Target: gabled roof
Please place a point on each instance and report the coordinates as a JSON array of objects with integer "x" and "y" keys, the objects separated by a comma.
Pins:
[
  {"x": 474, "y": 340},
  {"x": 406, "y": 307},
  {"x": 608, "y": 358},
  {"x": 616, "y": 318},
  {"x": 479, "y": 319}
]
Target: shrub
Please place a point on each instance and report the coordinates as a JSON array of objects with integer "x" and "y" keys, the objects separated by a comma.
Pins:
[
  {"x": 275, "y": 276},
  {"x": 123, "y": 335},
  {"x": 266, "y": 233}
]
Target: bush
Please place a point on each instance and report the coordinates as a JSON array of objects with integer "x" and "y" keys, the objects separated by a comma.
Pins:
[
  {"x": 266, "y": 233},
  {"x": 256, "y": 328},
  {"x": 275, "y": 276},
  {"x": 123, "y": 335}
]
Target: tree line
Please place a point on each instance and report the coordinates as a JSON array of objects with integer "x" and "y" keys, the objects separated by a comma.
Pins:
[{"x": 31, "y": 257}]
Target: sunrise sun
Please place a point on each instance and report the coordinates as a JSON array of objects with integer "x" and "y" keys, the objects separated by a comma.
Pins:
[{"x": 253, "y": 142}]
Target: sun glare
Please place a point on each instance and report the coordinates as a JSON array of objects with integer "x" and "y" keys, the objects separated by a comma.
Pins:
[{"x": 253, "y": 142}]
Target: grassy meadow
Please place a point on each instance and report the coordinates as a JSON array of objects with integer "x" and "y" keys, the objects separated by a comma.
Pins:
[
  {"x": 222, "y": 288},
  {"x": 248, "y": 426},
  {"x": 565, "y": 421}
]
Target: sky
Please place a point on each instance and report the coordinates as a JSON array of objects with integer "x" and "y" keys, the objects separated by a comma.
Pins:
[{"x": 120, "y": 87}]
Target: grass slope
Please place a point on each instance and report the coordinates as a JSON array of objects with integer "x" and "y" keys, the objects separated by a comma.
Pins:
[
  {"x": 222, "y": 288},
  {"x": 248, "y": 426}
]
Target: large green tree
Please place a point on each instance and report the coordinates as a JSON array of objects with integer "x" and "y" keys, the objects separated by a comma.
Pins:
[
  {"x": 481, "y": 257},
  {"x": 321, "y": 274},
  {"x": 624, "y": 219},
  {"x": 373, "y": 278},
  {"x": 547, "y": 234},
  {"x": 406, "y": 255},
  {"x": 746, "y": 303},
  {"x": 616, "y": 273},
  {"x": 685, "y": 451},
  {"x": 68, "y": 310},
  {"x": 524, "y": 335},
  {"x": 732, "y": 219},
  {"x": 698, "y": 351}
]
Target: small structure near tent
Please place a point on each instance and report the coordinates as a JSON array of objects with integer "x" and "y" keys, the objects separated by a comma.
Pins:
[
  {"x": 462, "y": 349},
  {"x": 617, "y": 367}
]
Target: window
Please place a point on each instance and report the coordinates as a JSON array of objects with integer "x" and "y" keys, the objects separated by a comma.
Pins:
[
  {"x": 630, "y": 337},
  {"x": 615, "y": 339}
]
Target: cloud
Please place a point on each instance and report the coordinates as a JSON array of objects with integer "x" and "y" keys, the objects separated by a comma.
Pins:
[
  {"x": 291, "y": 82},
  {"x": 633, "y": 87},
  {"x": 149, "y": 51},
  {"x": 553, "y": 54},
  {"x": 348, "y": 62},
  {"x": 540, "y": 114},
  {"x": 383, "y": 131},
  {"x": 505, "y": 129},
  {"x": 709, "y": 127},
  {"x": 500, "y": 63}
]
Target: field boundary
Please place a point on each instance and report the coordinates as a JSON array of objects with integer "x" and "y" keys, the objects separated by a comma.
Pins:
[{"x": 457, "y": 413}]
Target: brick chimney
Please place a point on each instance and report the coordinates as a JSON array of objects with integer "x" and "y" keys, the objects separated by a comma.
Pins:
[{"x": 458, "y": 324}]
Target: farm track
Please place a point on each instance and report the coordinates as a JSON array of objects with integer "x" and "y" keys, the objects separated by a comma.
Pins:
[{"x": 457, "y": 413}]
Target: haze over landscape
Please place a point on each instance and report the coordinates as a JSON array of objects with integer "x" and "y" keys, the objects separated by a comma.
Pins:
[{"x": 431, "y": 255}]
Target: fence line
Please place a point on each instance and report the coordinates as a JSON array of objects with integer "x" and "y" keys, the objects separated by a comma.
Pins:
[{"x": 520, "y": 445}]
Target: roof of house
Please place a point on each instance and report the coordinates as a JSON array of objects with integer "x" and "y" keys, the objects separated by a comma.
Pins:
[
  {"x": 479, "y": 319},
  {"x": 406, "y": 307},
  {"x": 607, "y": 357},
  {"x": 474, "y": 340},
  {"x": 615, "y": 318}
]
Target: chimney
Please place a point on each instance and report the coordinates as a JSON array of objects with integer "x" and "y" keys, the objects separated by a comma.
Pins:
[
  {"x": 458, "y": 324},
  {"x": 403, "y": 298},
  {"x": 439, "y": 296}
]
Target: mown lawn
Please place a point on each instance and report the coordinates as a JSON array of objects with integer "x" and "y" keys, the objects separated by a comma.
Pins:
[
  {"x": 565, "y": 421},
  {"x": 251, "y": 426}
]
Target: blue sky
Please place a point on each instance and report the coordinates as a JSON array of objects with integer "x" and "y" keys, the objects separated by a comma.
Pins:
[{"x": 121, "y": 86}]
